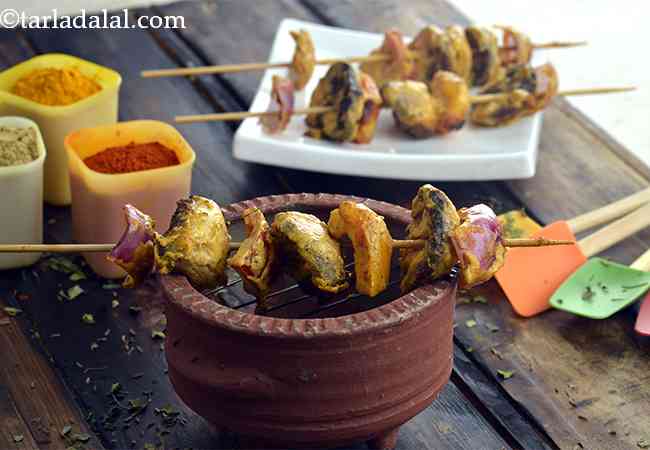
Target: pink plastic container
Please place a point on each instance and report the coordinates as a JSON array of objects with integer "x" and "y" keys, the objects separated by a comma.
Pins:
[{"x": 98, "y": 198}]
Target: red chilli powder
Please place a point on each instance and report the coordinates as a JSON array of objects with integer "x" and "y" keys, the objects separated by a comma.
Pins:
[{"x": 132, "y": 158}]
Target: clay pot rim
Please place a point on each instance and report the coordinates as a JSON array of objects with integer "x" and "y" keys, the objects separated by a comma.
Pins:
[{"x": 180, "y": 293}]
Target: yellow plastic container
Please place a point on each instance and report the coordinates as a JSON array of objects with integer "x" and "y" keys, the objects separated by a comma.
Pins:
[
  {"x": 21, "y": 187},
  {"x": 55, "y": 122},
  {"x": 98, "y": 198}
]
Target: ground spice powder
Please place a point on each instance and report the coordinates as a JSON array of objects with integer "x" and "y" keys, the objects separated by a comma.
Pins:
[
  {"x": 17, "y": 146},
  {"x": 55, "y": 87},
  {"x": 132, "y": 158}
]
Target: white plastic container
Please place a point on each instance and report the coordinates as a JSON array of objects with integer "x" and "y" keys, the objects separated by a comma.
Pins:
[
  {"x": 21, "y": 201},
  {"x": 56, "y": 122}
]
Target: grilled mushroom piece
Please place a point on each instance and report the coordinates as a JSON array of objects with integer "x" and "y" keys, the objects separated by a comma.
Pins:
[
  {"x": 255, "y": 260},
  {"x": 308, "y": 251},
  {"x": 433, "y": 48},
  {"x": 196, "y": 243},
  {"x": 415, "y": 110},
  {"x": 486, "y": 64},
  {"x": 304, "y": 59},
  {"x": 434, "y": 218},
  {"x": 371, "y": 110},
  {"x": 452, "y": 93},
  {"x": 478, "y": 245},
  {"x": 282, "y": 102},
  {"x": 528, "y": 90},
  {"x": 373, "y": 245},
  {"x": 460, "y": 57},
  {"x": 398, "y": 67},
  {"x": 348, "y": 93},
  {"x": 517, "y": 47},
  {"x": 134, "y": 252}
]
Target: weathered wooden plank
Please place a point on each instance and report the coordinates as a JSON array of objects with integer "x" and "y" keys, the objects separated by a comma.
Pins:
[
  {"x": 519, "y": 432},
  {"x": 12, "y": 426},
  {"x": 32, "y": 396}
]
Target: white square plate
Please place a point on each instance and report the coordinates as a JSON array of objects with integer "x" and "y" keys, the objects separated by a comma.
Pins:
[{"x": 469, "y": 154}]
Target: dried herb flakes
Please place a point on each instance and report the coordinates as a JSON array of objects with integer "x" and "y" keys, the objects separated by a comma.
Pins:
[{"x": 505, "y": 374}]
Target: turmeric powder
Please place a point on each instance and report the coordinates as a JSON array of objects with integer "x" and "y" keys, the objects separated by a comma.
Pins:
[{"x": 55, "y": 87}]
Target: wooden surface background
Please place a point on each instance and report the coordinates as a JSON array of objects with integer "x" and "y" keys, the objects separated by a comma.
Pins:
[{"x": 577, "y": 383}]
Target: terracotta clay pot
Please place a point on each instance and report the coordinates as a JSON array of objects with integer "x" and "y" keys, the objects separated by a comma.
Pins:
[{"x": 310, "y": 382}]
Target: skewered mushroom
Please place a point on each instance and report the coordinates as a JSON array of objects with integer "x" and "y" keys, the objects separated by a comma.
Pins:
[
  {"x": 196, "y": 244},
  {"x": 371, "y": 110},
  {"x": 398, "y": 67},
  {"x": 453, "y": 100},
  {"x": 434, "y": 218},
  {"x": 282, "y": 102},
  {"x": 433, "y": 49},
  {"x": 304, "y": 59},
  {"x": 460, "y": 57},
  {"x": 348, "y": 94},
  {"x": 308, "y": 251},
  {"x": 134, "y": 252},
  {"x": 529, "y": 90},
  {"x": 517, "y": 47},
  {"x": 255, "y": 260},
  {"x": 415, "y": 110},
  {"x": 422, "y": 111},
  {"x": 373, "y": 245},
  {"x": 486, "y": 64}
]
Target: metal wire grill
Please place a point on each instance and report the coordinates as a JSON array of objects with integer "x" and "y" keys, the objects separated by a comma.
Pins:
[{"x": 298, "y": 300}]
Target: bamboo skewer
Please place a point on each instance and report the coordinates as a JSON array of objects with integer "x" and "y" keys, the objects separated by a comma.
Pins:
[
  {"x": 94, "y": 248},
  {"x": 483, "y": 98},
  {"x": 245, "y": 67},
  {"x": 559, "y": 44}
]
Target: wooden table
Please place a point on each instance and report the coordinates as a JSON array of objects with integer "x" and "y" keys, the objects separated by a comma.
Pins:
[{"x": 577, "y": 383}]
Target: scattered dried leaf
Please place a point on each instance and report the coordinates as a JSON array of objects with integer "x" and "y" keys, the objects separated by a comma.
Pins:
[
  {"x": 505, "y": 374},
  {"x": 12, "y": 312},
  {"x": 88, "y": 318}
]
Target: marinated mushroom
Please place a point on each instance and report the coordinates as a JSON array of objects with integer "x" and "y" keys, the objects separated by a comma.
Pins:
[
  {"x": 196, "y": 243},
  {"x": 308, "y": 251},
  {"x": 460, "y": 55},
  {"x": 399, "y": 65},
  {"x": 526, "y": 91},
  {"x": 517, "y": 47},
  {"x": 304, "y": 59},
  {"x": 486, "y": 64},
  {"x": 415, "y": 110},
  {"x": 434, "y": 218},
  {"x": 432, "y": 49},
  {"x": 371, "y": 110},
  {"x": 373, "y": 245},
  {"x": 453, "y": 99},
  {"x": 343, "y": 89},
  {"x": 255, "y": 260}
]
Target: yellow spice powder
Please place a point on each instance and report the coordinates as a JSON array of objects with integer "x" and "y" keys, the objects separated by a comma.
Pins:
[{"x": 55, "y": 87}]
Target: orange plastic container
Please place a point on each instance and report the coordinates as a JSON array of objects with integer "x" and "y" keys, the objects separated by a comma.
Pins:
[
  {"x": 55, "y": 122},
  {"x": 98, "y": 198}
]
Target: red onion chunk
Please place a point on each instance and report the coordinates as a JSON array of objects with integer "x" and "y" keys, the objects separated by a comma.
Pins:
[
  {"x": 281, "y": 105},
  {"x": 135, "y": 250},
  {"x": 478, "y": 245}
]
